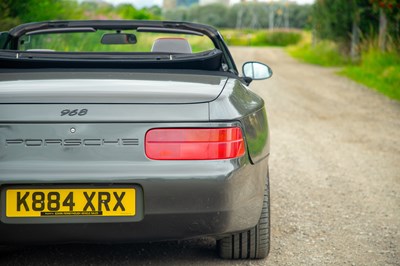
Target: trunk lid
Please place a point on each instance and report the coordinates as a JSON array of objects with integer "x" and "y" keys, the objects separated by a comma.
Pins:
[
  {"x": 37, "y": 141},
  {"x": 57, "y": 96},
  {"x": 114, "y": 88}
]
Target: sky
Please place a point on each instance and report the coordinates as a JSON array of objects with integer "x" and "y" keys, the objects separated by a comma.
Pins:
[{"x": 148, "y": 3}]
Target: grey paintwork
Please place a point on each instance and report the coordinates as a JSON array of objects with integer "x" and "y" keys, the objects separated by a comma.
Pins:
[
  {"x": 37, "y": 113},
  {"x": 238, "y": 102},
  {"x": 182, "y": 200},
  {"x": 203, "y": 100},
  {"x": 105, "y": 147},
  {"x": 219, "y": 196},
  {"x": 117, "y": 88}
]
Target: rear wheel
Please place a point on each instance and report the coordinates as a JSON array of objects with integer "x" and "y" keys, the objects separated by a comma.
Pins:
[{"x": 253, "y": 243}]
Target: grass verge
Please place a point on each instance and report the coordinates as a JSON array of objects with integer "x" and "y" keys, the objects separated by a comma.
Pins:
[
  {"x": 323, "y": 53},
  {"x": 377, "y": 70},
  {"x": 251, "y": 37},
  {"x": 380, "y": 71}
]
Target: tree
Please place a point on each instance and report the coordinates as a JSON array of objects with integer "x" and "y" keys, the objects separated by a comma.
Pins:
[
  {"x": 14, "y": 12},
  {"x": 344, "y": 21},
  {"x": 21, "y": 11},
  {"x": 213, "y": 14},
  {"x": 242, "y": 15},
  {"x": 385, "y": 7},
  {"x": 333, "y": 20}
]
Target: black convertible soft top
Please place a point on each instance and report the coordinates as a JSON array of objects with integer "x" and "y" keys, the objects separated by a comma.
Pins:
[
  {"x": 218, "y": 59},
  {"x": 210, "y": 60}
]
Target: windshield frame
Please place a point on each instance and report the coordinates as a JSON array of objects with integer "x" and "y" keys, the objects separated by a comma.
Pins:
[{"x": 171, "y": 26}]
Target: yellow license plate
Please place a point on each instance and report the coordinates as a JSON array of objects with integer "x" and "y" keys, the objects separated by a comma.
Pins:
[{"x": 65, "y": 202}]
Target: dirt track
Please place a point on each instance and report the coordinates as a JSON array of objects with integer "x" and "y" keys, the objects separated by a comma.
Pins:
[
  {"x": 335, "y": 167},
  {"x": 335, "y": 179}
]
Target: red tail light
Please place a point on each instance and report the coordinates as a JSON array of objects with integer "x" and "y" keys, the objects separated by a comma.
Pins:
[{"x": 194, "y": 143}]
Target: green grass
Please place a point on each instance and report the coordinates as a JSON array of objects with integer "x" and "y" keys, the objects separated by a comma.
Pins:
[
  {"x": 249, "y": 37},
  {"x": 380, "y": 71},
  {"x": 324, "y": 53},
  {"x": 377, "y": 70}
]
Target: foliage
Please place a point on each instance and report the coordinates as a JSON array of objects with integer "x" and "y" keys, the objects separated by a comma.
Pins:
[
  {"x": 214, "y": 14},
  {"x": 127, "y": 11},
  {"x": 14, "y": 12},
  {"x": 342, "y": 21},
  {"x": 388, "y": 5},
  {"x": 244, "y": 15},
  {"x": 279, "y": 38},
  {"x": 334, "y": 20},
  {"x": 380, "y": 71},
  {"x": 251, "y": 37},
  {"x": 324, "y": 53}
]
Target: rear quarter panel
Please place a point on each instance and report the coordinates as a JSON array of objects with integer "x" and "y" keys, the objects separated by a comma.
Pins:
[{"x": 238, "y": 102}]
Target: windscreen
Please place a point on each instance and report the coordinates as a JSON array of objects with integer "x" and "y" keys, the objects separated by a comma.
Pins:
[{"x": 92, "y": 42}]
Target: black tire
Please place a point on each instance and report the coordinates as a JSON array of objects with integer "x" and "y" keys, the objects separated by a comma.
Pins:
[{"x": 253, "y": 243}]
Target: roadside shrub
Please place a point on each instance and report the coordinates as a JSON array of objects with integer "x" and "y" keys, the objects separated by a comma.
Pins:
[
  {"x": 277, "y": 38},
  {"x": 323, "y": 53},
  {"x": 380, "y": 71},
  {"x": 248, "y": 37},
  {"x": 377, "y": 70}
]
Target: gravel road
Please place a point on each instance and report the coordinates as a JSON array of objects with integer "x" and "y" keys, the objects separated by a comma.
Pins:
[{"x": 335, "y": 179}]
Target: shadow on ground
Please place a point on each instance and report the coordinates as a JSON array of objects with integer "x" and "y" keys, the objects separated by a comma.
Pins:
[{"x": 160, "y": 253}]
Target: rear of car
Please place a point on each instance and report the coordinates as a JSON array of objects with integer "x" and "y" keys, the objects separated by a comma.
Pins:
[{"x": 120, "y": 155}]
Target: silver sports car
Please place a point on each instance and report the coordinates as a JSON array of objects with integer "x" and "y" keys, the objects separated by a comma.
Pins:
[{"x": 131, "y": 131}]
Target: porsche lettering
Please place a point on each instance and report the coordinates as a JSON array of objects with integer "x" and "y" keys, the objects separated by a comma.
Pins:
[{"x": 72, "y": 142}]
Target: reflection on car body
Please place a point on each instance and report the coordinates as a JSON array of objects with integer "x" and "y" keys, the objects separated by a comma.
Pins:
[{"x": 140, "y": 130}]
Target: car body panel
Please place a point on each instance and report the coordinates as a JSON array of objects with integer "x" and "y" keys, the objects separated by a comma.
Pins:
[
  {"x": 72, "y": 87},
  {"x": 220, "y": 196},
  {"x": 64, "y": 127},
  {"x": 106, "y": 113},
  {"x": 237, "y": 101},
  {"x": 215, "y": 204}
]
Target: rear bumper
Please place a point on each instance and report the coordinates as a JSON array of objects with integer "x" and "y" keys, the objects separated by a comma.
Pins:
[
  {"x": 180, "y": 200},
  {"x": 152, "y": 228}
]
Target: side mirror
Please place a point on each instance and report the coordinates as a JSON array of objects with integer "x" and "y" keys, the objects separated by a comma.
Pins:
[
  {"x": 256, "y": 71},
  {"x": 118, "y": 38}
]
